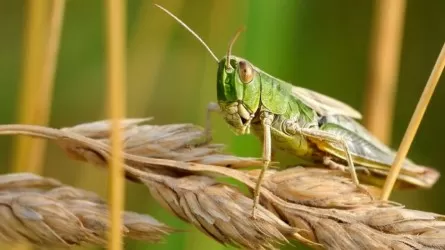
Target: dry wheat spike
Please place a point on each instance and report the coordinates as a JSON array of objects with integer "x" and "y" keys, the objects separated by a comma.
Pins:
[
  {"x": 317, "y": 206},
  {"x": 46, "y": 213}
]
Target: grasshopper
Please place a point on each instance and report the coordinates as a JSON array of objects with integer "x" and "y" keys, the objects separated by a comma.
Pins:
[{"x": 302, "y": 122}]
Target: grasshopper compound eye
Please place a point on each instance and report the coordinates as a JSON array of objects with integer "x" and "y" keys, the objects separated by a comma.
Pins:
[{"x": 246, "y": 72}]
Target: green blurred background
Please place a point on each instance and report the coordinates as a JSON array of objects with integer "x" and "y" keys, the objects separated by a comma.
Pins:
[{"x": 321, "y": 45}]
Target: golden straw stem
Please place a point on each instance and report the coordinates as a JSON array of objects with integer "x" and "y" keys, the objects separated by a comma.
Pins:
[
  {"x": 116, "y": 35},
  {"x": 33, "y": 56},
  {"x": 384, "y": 67},
  {"x": 414, "y": 124},
  {"x": 32, "y": 71},
  {"x": 42, "y": 107}
]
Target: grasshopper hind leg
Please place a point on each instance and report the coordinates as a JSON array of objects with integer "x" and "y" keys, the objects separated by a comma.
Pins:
[{"x": 320, "y": 136}]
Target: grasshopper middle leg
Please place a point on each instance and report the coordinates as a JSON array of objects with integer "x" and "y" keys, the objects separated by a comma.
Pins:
[{"x": 334, "y": 165}]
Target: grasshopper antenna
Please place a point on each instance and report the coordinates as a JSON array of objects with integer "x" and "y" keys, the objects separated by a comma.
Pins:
[
  {"x": 229, "y": 51},
  {"x": 190, "y": 30}
]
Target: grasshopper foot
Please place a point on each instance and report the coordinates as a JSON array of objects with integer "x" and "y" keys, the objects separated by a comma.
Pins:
[
  {"x": 253, "y": 214},
  {"x": 364, "y": 190}
]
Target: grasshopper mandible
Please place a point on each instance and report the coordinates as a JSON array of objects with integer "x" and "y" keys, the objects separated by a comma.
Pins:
[{"x": 302, "y": 122}]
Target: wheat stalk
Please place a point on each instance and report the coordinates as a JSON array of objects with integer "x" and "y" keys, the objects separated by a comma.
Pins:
[
  {"x": 46, "y": 213},
  {"x": 317, "y": 206}
]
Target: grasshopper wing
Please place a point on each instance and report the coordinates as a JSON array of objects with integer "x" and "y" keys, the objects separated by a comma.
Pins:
[
  {"x": 369, "y": 152},
  {"x": 324, "y": 105}
]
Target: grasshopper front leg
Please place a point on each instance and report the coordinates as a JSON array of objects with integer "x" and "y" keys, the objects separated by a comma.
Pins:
[
  {"x": 266, "y": 122},
  {"x": 212, "y": 107}
]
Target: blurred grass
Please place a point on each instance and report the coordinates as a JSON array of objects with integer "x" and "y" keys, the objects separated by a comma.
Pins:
[
  {"x": 318, "y": 45},
  {"x": 386, "y": 40}
]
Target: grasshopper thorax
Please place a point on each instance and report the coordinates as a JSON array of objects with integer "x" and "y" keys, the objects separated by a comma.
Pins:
[{"x": 238, "y": 91}]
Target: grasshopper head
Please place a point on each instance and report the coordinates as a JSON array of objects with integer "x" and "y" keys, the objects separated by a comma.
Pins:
[{"x": 238, "y": 90}]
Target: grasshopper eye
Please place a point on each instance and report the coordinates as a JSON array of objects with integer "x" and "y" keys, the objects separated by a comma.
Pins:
[{"x": 246, "y": 72}]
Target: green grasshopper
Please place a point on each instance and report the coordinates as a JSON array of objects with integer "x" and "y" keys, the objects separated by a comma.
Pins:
[{"x": 302, "y": 122}]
